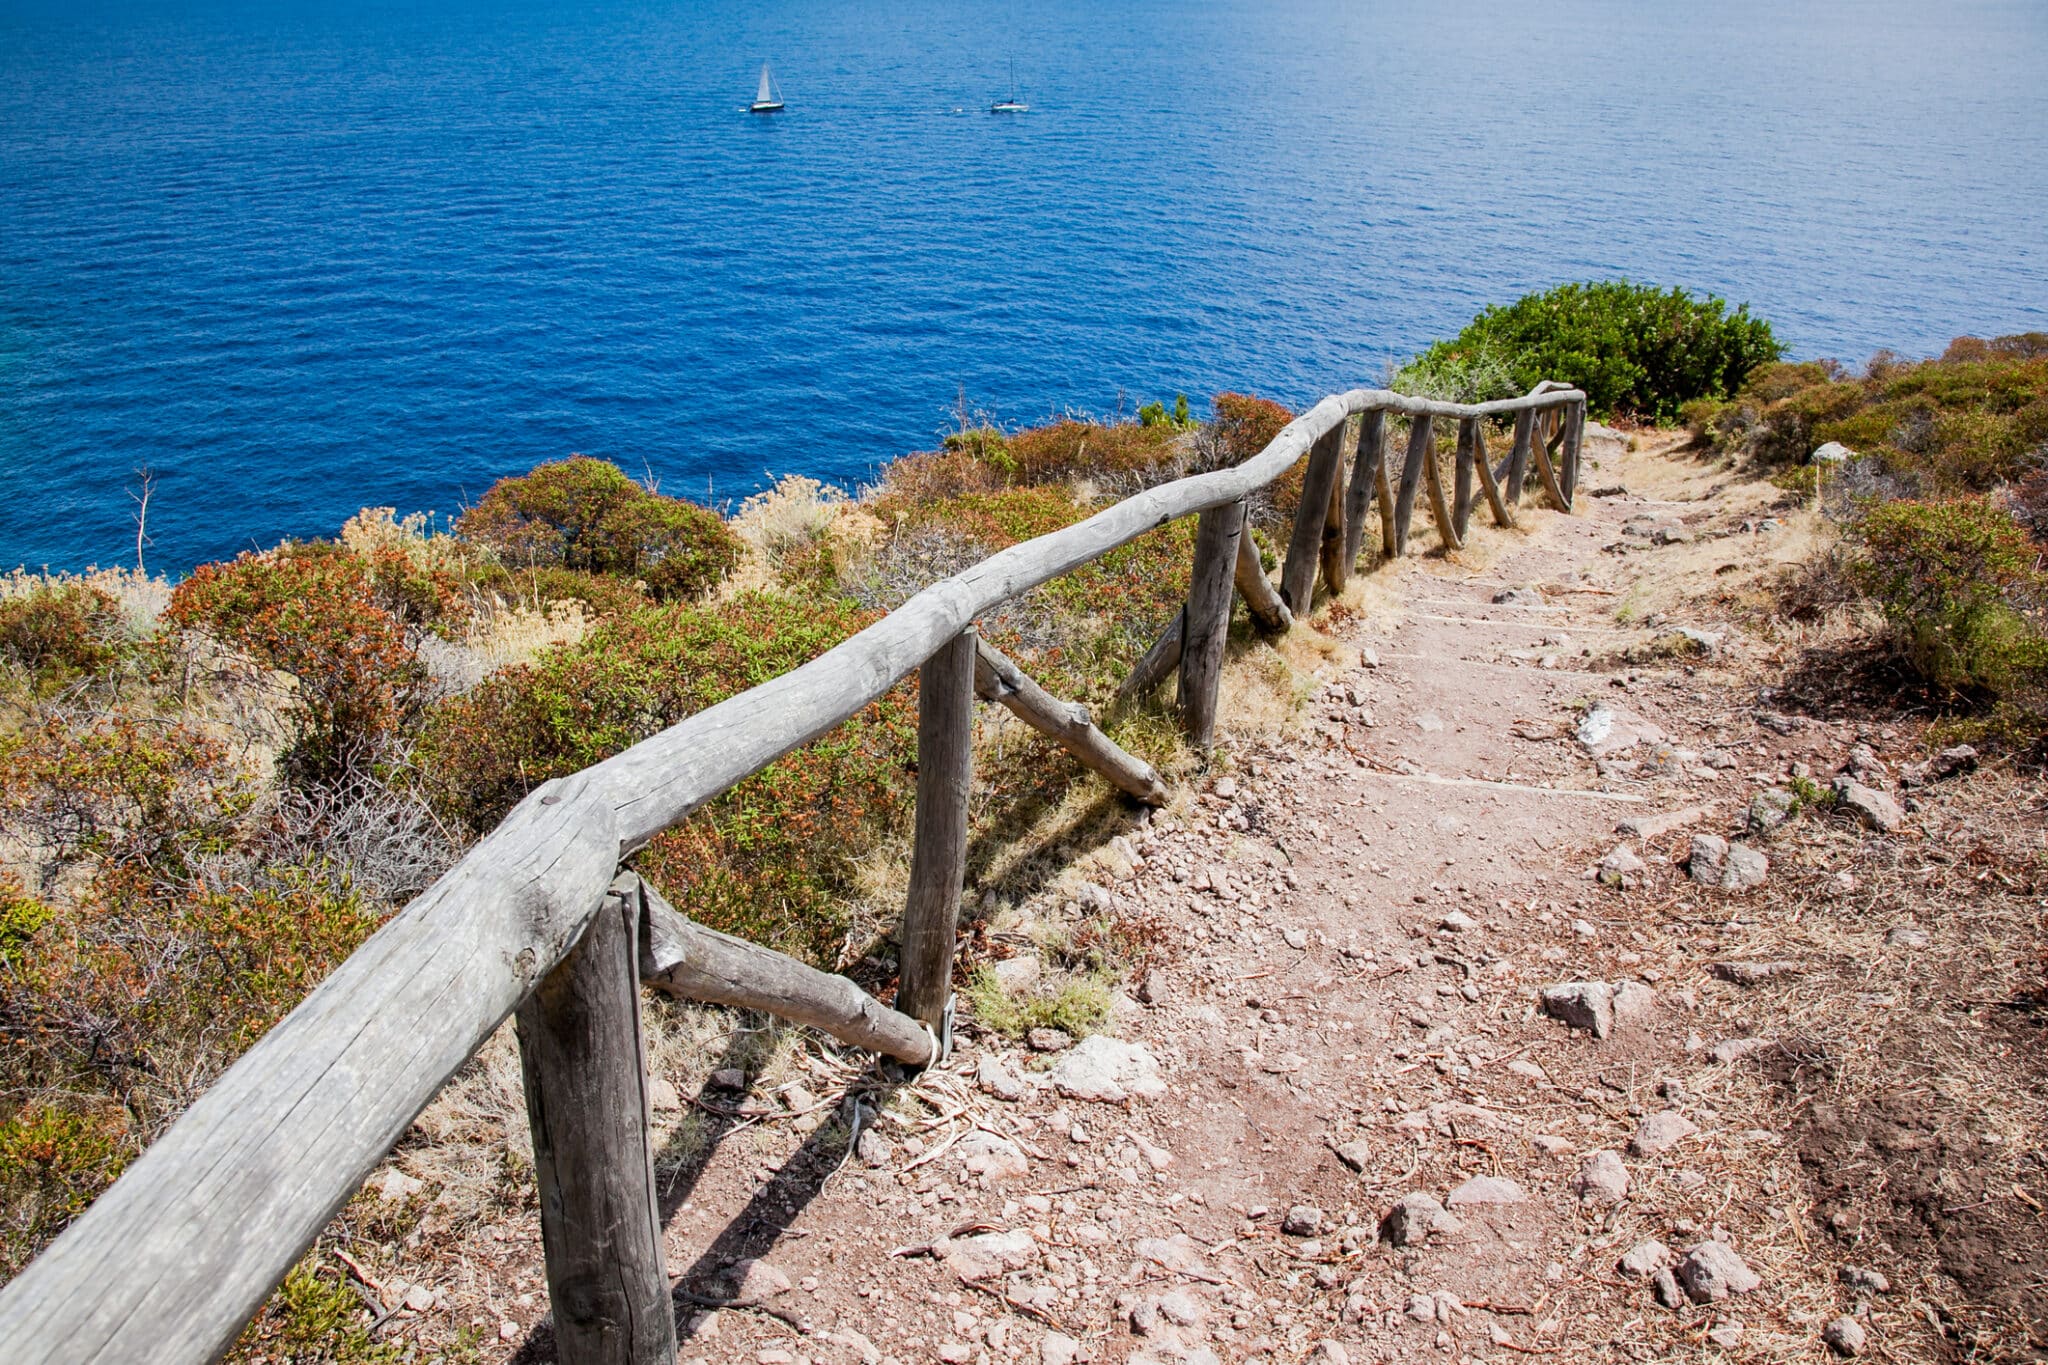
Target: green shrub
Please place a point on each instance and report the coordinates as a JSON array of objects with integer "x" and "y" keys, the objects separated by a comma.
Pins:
[
  {"x": 53, "y": 1162},
  {"x": 1959, "y": 584},
  {"x": 313, "y": 611},
  {"x": 581, "y": 513},
  {"x": 772, "y": 858},
  {"x": 1635, "y": 349}
]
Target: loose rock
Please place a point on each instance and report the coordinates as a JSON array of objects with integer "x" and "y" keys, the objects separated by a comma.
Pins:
[
  {"x": 993, "y": 1076},
  {"x": 1587, "y": 1005},
  {"x": 1845, "y": 1336},
  {"x": 1661, "y": 1132},
  {"x": 1712, "y": 1271},
  {"x": 1873, "y": 807},
  {"x": 1603, "y": 1179},
  {"x": 1622, "y": 868},
  {"x": 1415, "y": 1218},
  {"x": 1303, "y": 1220},
  {"x": 1486, "y": 1189},
  {"x": 1108, "y": 1070},
  {"x": 1645, "y": 1259}
]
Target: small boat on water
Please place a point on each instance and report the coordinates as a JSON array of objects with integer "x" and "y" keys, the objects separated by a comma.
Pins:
[
  {"x": 1012, "y": 105},
  {"x": 767, "y": 99}
]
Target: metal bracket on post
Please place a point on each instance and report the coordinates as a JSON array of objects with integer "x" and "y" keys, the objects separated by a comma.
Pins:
[{"x": 945, "y": 1039}]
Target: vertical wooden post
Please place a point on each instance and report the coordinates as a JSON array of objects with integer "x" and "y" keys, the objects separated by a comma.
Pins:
[
  {"x": 1439, "y": 506},
  {"x": 1574, "y": 439},
  {"x": 1208, "y": 617},
  {"x": 1518, "y": 457},
  {"x": 1365, "y": 477},
  {"x": 1336, "y": 569},
  {"x": 938, "y": 858},
  {"x": 1461, "y": 506},
  {"x": 1304, "y": 548},
  {"x": 1383, "y": 494},
  {"x": 1421, "y": 444},
  {"x": 585, "y": 1066},
  {"x": 1488, "y": 480}
]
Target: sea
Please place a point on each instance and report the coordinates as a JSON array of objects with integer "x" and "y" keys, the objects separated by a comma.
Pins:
[{"x": 293, "y": 258}]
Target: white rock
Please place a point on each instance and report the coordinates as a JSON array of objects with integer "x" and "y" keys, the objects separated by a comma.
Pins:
[
  {"x": 1057, "y": 1348},
  {"x": 1661, "y": 1132},
  {"x": 396, "y": 1187},
  {"x": 1908, "y": 936},
  {"x": 1645, "y": 1259},
  {"x": 1606, "y": 730},
  {"x": 1744, "y": 868},
  {"x": 1107, "y": 1070},
  {"x": 1735, "y": 1049},
  {"x": 990, "y": 1254},
  {"x": 1458, "y": 922},
  {"x": 993, "y": 1076},
  {"x": 1868, "y": 804},
  {"x": 1621, "y": 867},
  {"x": 1845, "y": 1336},
  {"x": 995, "y": 1159},
  {"x": 1415, "y": 1218},
  {"x": 1603, "y": 1179},
  {"x": 1712, "y": 1271},
  {"x": 1017, "y": 974}
]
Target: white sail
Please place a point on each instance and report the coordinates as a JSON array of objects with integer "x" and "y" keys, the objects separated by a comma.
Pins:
[{"x": 762, "y": 95}]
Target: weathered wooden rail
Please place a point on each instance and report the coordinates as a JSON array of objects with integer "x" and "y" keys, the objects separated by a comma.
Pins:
[{"x": 539, "y": 920}]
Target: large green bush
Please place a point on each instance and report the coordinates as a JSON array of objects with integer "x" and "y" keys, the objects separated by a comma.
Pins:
[
  {"x": 581, "y": 513},
  {"x": 1635, "y": 349},
  {"x": 1959, "y": 584}
]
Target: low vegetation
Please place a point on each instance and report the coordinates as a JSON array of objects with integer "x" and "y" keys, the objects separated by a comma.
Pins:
[{"x": 1940, "y": 483}]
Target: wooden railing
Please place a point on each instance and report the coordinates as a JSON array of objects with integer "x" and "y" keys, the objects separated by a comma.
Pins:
[{"x": 539, "y": 921}]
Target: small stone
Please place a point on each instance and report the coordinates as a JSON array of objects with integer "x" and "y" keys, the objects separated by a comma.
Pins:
[
  {"x": 1607, "y": 730},
  {"x": 1867, "y": 804},
  {"x": 1048, "y": 1040},
  {"x": 1094, "y": 899},
  {"x": 996, "y": 1078},
  {"x": 1017, "y": 974},
  {"x": 754, "y": 1281},
  {"x": 1421, "y": 1308},
  {"x": 1144, "y": 1317},
  {"x": 1657, "y": 826},
  {"x": 1633, "y": 1001},
  {"x": 1108, "y": 1070},
  {"x": 1753, "y": 973},
  {"x": 1549, "y": 1144},
  {"x": 1863, "y": 1280},
  {"x": 1458, "y": 922},
  {"x": 952, "y": 1352},
  {"x": 773, "y": 1355},
  {"x": 1950, "y": 761},
  {"x": 728, "y": 1078},
  {"x": 1727, "y": 1336},
  {"x": 1712, "y": 1271},
  {"x": 1735, "y": 1049},
  {"x": 1665, "y": 1285},
  {"x": 1415, "y": 1218},
  {"x": 1356, "y": 1154},
  {"x": 1057, "y": 1348},
  {"x": 1587, "y": 1005},
  {"x": 1661, "y": 1132},
  {"x": 995, "y": 1159},
  {"x": 1908, "y": 936},
  {"x": 990, "y": 1255},
  {"x": 1486, "y": 1189},
  {"x": 1181, "y": 1308},
  {"x": 1225, "y": 787},
  {"x": 396, "y": 1187},
  {"x": 1368, "y": 657},
  {"x": 1603, "y": 1179},
  {"x": 875, "y": 1151},
  {"x": 1645, "y": 1259},
  {"x": 418, "y": 1298},
  {"x": 1303, "y": 1220},
  {"x": 1297, "y": 939},
  {"x": 1528, "y": 1070},
  {"x": 1771, "y": 808},
  {"x": 1745, "y": 868},
  {"x": 1153, "y": 990},
  {"x": 1621, "y": 868},
  {"x": 1845, "y": 1336},
  {"x": 1329, "y": 1353}
]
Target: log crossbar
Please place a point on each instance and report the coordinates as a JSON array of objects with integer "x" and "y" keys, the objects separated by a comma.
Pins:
[{"x": 171, "y": 1261}]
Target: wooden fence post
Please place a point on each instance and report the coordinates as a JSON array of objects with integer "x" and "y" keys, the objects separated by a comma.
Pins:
[
  {"x": 938, "y": 858},
  {"x": 1483, "y": 466},
  {"x": 1461, "y": 506},
  {"x": 1261, "y": 599},
  {"x": 585, "y": 1066},
  {"x": 1366, "y": 476},
  {"x": 1574, "y": 439},
  {"x": 1208, "y": 615},
  {"x": 1336, "y": 569},
  {"x": 1383, "y": 495},
  {"x": 1516, "y": 465},
  {"x": 1304, "y": 547},
  {"x": 1421, "y": 444}
]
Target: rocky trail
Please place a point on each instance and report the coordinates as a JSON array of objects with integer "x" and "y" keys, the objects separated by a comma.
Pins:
[{"x": 1452, "y": 1041}]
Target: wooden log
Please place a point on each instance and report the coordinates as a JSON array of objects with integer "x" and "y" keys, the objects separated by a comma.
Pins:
[
  {"x": 1518, "y": 457},
  {"x": 684, "y": 959},
  {"x": 1304, "y": 547},
  {"x": 170, "y": 1262},
  {"x": 1367, "y": 474},
  {"x": 585, "y": 1067},
  {"x": 1574, "y": 439},
  {"x": 1439, "y": 507},
  {"x": 1421, "y": 446},
  {"x": 1501, "y": 515},
  {"x": 1159, "y": 663},
  {"x": 938, "y": 855},
  {"x": 1261, "y": 599},
  {"x": 1336, "y": 570},
  {"x": 1461, "y": 506},
  {"x": 1208, "y": 618},
  {"x": 1383, "y": 495},
  {"x": 999, "y": 680}
]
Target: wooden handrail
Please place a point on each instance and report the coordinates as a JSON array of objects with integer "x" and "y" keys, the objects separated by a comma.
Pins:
[{"x": 169, "y": 1263}]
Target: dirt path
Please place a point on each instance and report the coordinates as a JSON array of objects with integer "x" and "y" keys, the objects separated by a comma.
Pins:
[{"x": 1351, "y": 935}]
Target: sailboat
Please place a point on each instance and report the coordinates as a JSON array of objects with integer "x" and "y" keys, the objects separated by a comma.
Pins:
[
  {"x": 1012, "y": 105},
  {"x": 767, "y": 99}
]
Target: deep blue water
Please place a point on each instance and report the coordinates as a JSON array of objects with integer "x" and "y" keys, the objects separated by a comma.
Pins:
[{"x": 299, "y": 258}]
